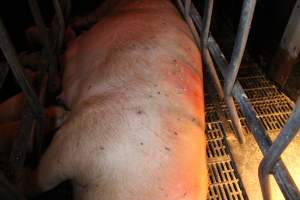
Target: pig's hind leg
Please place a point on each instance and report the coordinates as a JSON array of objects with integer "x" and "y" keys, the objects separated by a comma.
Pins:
[{"x": 54, "y": 166}]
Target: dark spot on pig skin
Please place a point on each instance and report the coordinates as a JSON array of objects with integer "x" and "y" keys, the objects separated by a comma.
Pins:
[
  {"x": 184, "y": 194},
  {"x": 175, "y": 133},
  {"x": 164, "y": 23},
  {"x": 102, "y": 148},
  {"x": 158, "y": 92},
  {"x": 150, "y": 96},
  {"x": 89, "y": 87},
  {"x": 141, "y": 143},
  {"x": 139, "y": 112},
  {"x": 178, "y": 119},
  {"x": 193, "y": 119},
  {"x": 155, "y": 85},
  {"x": 167, "y": 149}
]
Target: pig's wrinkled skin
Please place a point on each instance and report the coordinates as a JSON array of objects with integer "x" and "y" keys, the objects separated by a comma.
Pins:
[{"x": 136, "y": 128}]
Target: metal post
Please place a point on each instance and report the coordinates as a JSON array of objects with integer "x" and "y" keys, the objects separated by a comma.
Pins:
[
  {"x": 287, "y": 133},
  {"x": 288, "y": 52},
  {"x": 206, "y": 55}
]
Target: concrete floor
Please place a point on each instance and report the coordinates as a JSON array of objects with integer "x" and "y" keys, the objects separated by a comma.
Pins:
[{"x": 247, "y": 158}]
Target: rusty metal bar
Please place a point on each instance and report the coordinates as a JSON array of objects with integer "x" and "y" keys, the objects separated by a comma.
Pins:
[
  {"x": 287, "y": 133},
  {"x": 14, "y": 63},
  {"x": 281, "y": 173}
]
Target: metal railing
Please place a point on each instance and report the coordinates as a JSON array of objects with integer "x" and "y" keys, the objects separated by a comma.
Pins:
[
  {"x": 29, "y": 138},
  {"x": 211, "y": 52}
]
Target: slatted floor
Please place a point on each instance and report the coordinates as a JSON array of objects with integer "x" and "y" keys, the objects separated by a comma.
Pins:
[{"x": 273, "y": 109}]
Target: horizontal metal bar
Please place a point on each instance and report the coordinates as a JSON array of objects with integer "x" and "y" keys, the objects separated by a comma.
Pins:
[
  {"x": 281, "y": 174},
  {"x": 14, "y": 63},
  {"x": 287, "y": 133}
]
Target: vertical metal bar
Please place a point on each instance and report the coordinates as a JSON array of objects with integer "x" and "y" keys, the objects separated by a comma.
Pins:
[
  {"x": 236, "y": 123},
  {"x": 60, "y": 18},
  {"x": 52, "y": 58},
  {"x": 287, "y": 133},
  {"x": 234, "y": 65},
  {"x": 185, "y": 9},
  {"x": 239, "y": 44},
  {"x": 206, "y": 55},
  {"x": 237, "y": 54},
  {"x": 3, "y": 72},
  {"x": 11, "y": 57}
]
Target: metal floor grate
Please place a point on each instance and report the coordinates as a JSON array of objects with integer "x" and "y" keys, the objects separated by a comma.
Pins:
[{"x": 273, "y": 109}]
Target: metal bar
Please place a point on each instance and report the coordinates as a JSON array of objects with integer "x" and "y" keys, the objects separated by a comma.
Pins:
[
  {"x": 29, "y": 139},
  {"x": 22, "y": 143},
  {"x": 239, "y": 44},
  {"x": 3, "y": 72},
  {"x": 281, "y": 174},
  {"x": 238, "y": 129},
  {"x": 287, "y": 133},
  {"x": 206, "y": 55},
  {"x": 7, "y": 190},
  {"x": 61, "y": 22},
  {"x": 236, "y": 123},
  {"x": 52, "y": 58},
  {"x": 185, "y": 8},
  {"x": 14, "y": 63},
  {"x": 234, "y": 65}
]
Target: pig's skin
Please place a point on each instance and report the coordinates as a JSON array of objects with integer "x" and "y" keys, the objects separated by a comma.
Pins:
[{"x": 136, "y": 129}]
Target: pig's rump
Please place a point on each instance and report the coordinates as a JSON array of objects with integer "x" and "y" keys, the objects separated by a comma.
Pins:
[{"x": 136, "y": 129}]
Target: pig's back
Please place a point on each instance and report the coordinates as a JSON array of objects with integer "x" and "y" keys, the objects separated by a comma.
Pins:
[{"x": 135, "y": 88}]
